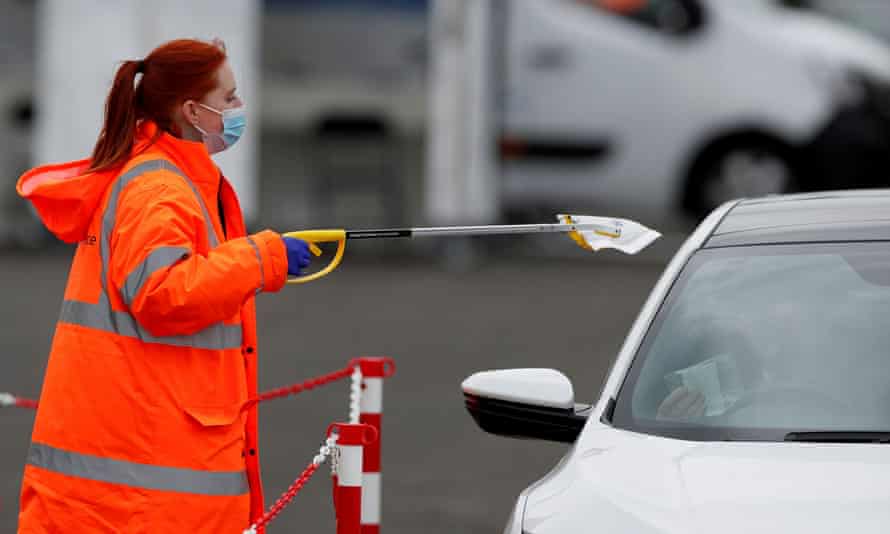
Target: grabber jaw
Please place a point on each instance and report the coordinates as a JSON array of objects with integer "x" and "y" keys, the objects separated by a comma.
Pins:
[
  {"x": 576, "y": 237},
  {"x": 625, "y": 235}
]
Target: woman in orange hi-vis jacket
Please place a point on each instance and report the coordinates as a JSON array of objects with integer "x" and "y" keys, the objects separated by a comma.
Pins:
[{"x": 142, "y": 425}]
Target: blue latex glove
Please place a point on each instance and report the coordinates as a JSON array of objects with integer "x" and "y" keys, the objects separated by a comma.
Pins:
[{"x": 298, "y": 255}]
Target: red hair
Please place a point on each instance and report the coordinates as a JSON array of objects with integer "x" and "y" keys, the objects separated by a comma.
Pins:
[{"x": 180, "y": 70}]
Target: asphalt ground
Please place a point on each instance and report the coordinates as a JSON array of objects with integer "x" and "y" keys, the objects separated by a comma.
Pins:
[{"x": 441, "y": 474}]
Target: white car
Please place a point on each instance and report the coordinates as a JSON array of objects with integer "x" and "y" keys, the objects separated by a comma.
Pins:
[
  {"x": 752, "y": 393},
  {"x": 659, "y": 105}
]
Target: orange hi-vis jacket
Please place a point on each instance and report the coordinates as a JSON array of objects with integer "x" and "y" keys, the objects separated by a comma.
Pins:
[{"x": 142, "y": 425}]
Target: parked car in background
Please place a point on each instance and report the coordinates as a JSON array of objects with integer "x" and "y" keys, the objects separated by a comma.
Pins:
[
  {"x": 659, "y": 105},
  {"x": 750, "y": 395}
]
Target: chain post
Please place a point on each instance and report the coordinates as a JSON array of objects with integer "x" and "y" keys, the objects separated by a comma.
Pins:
[
  {"x": 374, "y": 370},
  {"x": 352, "y": 438}
]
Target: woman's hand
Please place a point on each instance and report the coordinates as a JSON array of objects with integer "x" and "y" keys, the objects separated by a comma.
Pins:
[{"x": 298, "y": 255}]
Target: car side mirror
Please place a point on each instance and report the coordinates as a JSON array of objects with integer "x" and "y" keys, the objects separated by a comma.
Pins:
[{"x": 525, "y": 403}]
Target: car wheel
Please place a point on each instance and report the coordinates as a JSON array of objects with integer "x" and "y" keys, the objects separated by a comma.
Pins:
[{"x": 740, "y": 170}]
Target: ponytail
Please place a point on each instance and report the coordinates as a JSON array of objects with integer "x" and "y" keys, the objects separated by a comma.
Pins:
[
  {"x": 121, "y": 113},
  {"x": 171, "y": 74}
]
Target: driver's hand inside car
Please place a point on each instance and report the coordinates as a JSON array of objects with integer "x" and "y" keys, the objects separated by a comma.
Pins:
[{"x": 682, "y": 403}]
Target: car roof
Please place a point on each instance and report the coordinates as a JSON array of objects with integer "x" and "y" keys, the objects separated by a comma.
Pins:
[{"x": 855, "y": 215}]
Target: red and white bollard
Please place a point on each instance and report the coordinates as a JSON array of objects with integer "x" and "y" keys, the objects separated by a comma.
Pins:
[
  {"x": 373, "y": 371},
  {"x": 351, "y": 442}
]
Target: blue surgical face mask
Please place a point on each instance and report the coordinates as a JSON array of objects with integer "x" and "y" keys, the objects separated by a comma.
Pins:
[{"x": 234, "y": 122}]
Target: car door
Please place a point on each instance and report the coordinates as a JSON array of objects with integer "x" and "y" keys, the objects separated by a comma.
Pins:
[{"x": 587, "y": 84}]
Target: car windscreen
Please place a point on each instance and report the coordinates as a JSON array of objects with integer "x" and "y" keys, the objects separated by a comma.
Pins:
[{"x": 754, "y": 343}]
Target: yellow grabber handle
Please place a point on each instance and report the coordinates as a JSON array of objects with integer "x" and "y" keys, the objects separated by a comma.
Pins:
[{"x": 320, "y": 236}]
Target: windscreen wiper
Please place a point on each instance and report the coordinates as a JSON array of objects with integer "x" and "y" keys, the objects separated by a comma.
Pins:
[{"x": 839, "y": 436}]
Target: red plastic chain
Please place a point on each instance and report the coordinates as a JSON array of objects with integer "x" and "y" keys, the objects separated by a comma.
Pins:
[
  {"x": 285, "y": 391},
  {"x": 286, "y": 497},
  {"x": 25, "y": 403},
  {"x": 299, "y": 387}
]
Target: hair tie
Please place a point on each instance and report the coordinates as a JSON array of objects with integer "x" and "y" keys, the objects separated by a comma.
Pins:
[{"x": 140, "y": 66}]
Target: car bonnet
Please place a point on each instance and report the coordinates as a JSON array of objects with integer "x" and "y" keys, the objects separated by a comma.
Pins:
[{"x": 646, "y": 484}]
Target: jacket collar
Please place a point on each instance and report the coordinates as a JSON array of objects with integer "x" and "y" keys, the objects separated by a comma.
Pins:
[{"x": 190, "y": 156}]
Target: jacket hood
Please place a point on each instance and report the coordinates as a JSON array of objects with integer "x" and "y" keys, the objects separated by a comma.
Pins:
[{"x": 65, "y": 196}]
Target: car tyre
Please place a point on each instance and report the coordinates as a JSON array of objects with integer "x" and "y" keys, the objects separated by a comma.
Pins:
[{"x": 740, "y": 169}]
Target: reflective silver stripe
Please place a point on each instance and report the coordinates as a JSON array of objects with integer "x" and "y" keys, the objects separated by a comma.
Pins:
[
  {"x": 211, "y": 235},
  {"x": 110, "y": 215},
  {"x": 101, "y": 316},
  {"x": 158, "y": 259},
  {"x": 259, "y": 260},
  {"x": 152, "y": 477},
  {"x": 216, "y": 337}
]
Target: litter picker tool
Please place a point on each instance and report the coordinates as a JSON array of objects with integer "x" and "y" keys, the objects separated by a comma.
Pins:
[{"x": 588, "y": 232}]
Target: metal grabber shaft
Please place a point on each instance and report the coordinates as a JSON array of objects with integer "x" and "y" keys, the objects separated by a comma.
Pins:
[{"x": 580, "y": 228}]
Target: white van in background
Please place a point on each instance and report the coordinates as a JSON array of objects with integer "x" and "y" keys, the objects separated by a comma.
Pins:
[{"x": 648, "y": 106}]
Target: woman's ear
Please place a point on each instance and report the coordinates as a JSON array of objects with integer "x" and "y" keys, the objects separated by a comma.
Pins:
[
  {"x": 185, "y": 116},
  {"x": 189, "y": 110}
]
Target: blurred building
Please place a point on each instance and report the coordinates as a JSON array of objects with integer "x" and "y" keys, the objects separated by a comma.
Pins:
[
  {"x": 344, "y": 111},
  {"x": 17, "y": 56}
]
